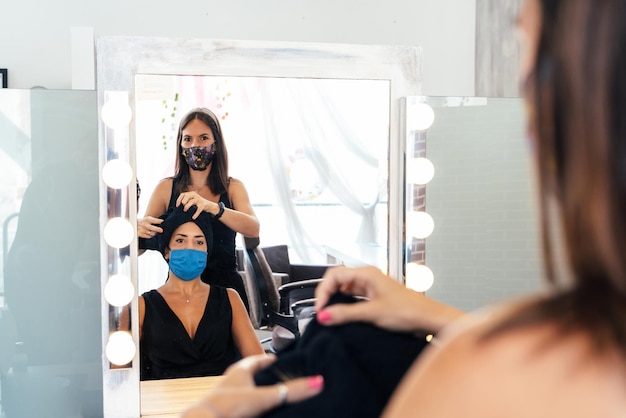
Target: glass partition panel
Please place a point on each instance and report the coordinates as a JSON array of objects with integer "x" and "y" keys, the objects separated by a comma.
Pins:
[
  {"x": 50, "y": 292},
  {"x": 485, "y": 245}
]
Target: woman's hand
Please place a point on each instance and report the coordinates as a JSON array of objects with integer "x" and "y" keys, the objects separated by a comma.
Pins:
[
  {"x": 189, "y": 199},
  {"x": 238, "y": 397},
  {"x": 389, "y": 304},
  {"x": 148, "y": 227}
]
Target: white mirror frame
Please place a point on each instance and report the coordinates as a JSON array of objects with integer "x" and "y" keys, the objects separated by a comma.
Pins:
[{"x": 118, "y": 59}]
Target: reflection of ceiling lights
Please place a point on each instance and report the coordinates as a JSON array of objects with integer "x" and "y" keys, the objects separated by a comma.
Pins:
[
  {"x": 117, "y": 174},
  {"x": 120, "y": 348},
  {"x": 118, "y": 232},
  {"x": 304, "y": 181},
  {"x": 419, "y": 170},
  {"x": 119, "y": 291},
  {"x": 419, "y": 224},
  {"x": 116, "y": 112},
  {"x": 419, "y": 277},
  {"x": 420, "y": 117}
]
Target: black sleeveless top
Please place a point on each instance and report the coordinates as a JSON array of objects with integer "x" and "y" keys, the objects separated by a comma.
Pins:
[{"x": 167, "y": 350}]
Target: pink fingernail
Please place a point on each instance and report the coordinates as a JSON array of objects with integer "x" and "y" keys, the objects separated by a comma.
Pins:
[
  {"x": 324, "y": 316},
  {"x": 316, "y": 382}
]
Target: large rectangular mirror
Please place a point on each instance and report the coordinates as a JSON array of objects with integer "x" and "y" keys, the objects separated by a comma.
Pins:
[{"x": 307, "y": 83}]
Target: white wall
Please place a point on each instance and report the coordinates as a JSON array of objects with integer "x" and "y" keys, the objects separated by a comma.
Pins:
[{"x": 35, "y": 43}]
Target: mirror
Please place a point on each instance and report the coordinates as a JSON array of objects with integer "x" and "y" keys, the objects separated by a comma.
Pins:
[
  {"x": 122, "y": 64},
  {"x": 300, "y": 145}
]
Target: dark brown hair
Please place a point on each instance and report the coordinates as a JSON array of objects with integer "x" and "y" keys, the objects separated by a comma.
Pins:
[
  {"x": 218, "y": 177},
  {"x": 577, "y": 100}
]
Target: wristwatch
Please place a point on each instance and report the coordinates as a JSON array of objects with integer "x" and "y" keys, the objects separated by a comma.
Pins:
[{"x": 221, "y": 212}]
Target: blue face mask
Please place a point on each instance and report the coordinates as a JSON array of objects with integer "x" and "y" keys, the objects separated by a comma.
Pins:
[{"x": 187, "y": 264}]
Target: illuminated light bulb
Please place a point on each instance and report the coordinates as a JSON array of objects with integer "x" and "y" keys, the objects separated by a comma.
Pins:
[
  {"x": 419, "y": 224},
  {"x": 119, "y": 291},
  {"x": 419, "y": 277},
  {"x": 419, "y": 170},
  {"x": 118, "y": 232},
  {"x": 117, "y": 174},
  {"x": 420, "y": 117},
  {"x": 120, "y": 348},
  {"x": 116, "y": 112}
]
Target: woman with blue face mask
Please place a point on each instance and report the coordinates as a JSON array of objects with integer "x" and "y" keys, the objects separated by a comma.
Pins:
[
  {"x": 188, "y": 327},
  {"x": 201, "y": 179}
]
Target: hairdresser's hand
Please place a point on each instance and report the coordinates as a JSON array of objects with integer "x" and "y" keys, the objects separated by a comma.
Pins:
[
  {"x": 389, "y": 304},
  {"x": 238, "y": 397},
  {"x": 148, "y": 227},
  {"x": 189, "y": 199}
]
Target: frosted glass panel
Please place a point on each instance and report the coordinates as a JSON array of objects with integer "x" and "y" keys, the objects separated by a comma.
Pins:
[
  {"x": 50, "y": 332},
  {"x": 485, "y": 246}
]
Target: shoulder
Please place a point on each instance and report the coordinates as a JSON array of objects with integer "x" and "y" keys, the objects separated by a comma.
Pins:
[
  {"x": 237, "y": 191},
  {"x": 234, "y": 183},
  {"x": 163, "y": 189},
  {"x": 232, "y": 295},
  {"x": 235, "y": 300},
  {"x": 165, "y": 184},
  {"x": 471, "y": 374}
]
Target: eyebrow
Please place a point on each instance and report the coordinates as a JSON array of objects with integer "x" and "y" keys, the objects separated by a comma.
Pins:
[{"x": 185, "y": 235}]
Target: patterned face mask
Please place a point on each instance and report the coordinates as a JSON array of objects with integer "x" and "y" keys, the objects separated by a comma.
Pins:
[{"x": 199, "y": 158}]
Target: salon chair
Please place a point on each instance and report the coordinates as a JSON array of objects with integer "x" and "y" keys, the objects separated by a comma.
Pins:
[
  {"x": 295, "y": 282},
  {"x": 285, "y": 309}
]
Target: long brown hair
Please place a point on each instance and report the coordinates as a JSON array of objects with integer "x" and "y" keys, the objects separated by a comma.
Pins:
[
  {"x": 577, "y": 100},
  {"x": 218, "y": 177}
]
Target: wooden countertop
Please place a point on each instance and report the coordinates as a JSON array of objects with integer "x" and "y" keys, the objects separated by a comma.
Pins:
[{"x": 168, "y": 398}]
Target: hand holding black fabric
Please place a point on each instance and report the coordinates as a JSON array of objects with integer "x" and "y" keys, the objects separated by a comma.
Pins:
[{"x": 361, "y": 365}]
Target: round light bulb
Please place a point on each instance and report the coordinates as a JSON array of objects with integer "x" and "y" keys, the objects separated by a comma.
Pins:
[
  {"x": 120, "y": 348},
  {"x": 419, "y": 277},
  {"x": 118, "y": 232},
  {"x": 419, "y": 224},
  {"x": 117, "y": 174},
  {"x": 420, "y": 117},
  {"x": 116, "y": 113},
  {"x": 419, "y": 170},
  {"x": 119, "y": 291}
]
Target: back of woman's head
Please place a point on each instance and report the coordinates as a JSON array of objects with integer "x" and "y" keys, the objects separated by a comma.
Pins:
[
  {"x": 578, "y": 101},
  {"x": 577, "y": 97},
  {"x": 218, "y": 177}
]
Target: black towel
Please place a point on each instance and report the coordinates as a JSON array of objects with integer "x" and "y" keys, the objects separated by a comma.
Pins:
[{"x": 361, "y": 364}]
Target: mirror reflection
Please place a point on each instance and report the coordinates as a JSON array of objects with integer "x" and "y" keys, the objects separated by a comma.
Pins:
[{"x": 312, "y": 154}]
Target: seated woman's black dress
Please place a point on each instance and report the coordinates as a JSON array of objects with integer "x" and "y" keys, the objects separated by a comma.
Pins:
[{"x": 167, "y": 350}]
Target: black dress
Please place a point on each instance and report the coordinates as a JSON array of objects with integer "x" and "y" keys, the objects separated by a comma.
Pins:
[
  {"x": 167, "y": 350},
  {"x": 221, "y": 266}
]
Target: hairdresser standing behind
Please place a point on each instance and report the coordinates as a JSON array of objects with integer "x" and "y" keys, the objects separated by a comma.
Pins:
[{"x": 201, "y": 179}]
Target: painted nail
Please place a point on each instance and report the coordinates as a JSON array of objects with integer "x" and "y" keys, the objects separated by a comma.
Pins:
[
  {"x": 316, "y": 382},
  {"x": 323, "y": 316}
]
